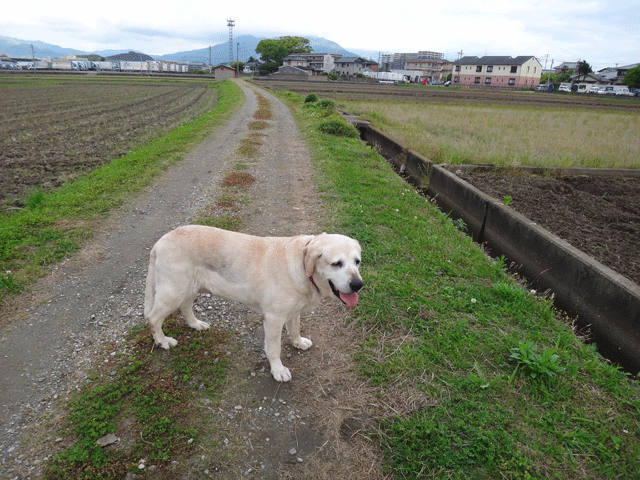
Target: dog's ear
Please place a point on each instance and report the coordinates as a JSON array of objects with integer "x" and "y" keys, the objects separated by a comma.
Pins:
[{"x": 311, "y": 253}]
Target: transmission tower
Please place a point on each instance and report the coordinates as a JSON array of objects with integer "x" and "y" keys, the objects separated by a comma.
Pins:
[{"x": 230, "y": 23}]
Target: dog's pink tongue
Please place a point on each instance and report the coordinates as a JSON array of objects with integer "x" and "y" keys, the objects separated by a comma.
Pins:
[{"x": 351, "y": 299}]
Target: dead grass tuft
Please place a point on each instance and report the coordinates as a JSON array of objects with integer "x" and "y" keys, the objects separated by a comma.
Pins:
[{"x": 238, "y": 179}]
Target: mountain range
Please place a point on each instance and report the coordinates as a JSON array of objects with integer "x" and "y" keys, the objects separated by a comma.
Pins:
[{"x": 14, "y": 47}]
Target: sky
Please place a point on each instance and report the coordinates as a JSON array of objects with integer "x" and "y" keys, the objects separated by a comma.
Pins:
[{"x": 602, "y": 32}]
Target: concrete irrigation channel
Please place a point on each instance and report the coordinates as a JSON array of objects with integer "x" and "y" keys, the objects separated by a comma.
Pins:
[{"x": 597, "y": 296}]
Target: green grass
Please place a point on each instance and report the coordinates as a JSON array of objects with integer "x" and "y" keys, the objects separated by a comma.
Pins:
[
  {"x": 53, "y": 225},
  {"x": 149, "y": 401},
  {"x": 510, "y": 390}
]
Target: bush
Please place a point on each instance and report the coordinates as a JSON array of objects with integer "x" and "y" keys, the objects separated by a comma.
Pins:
[
  {"x": 311, "y": 98},
  {"x": 326, "y": 103},
  {"x": 339, "y": 128}
]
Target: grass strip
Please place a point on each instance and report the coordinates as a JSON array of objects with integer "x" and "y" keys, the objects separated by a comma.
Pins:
[
  {"x": 152, "y": 402},
  {"x": 53, "y": 225},
  {"x": 510, "y": 390}
]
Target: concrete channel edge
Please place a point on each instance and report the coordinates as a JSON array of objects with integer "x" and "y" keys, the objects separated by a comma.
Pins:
[{"x": 597, "y": 296}]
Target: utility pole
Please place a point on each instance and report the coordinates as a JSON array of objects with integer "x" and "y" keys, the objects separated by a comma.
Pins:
[{"x": 209, "y": 59}]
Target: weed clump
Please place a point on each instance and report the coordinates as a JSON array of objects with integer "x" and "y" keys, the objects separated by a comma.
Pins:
[
  {"x": 338, "y": 127},
  {"x": 311, "y": 98}
]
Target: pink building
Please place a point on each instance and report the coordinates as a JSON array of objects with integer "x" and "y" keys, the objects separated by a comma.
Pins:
[{"x": 497, "y": 72}]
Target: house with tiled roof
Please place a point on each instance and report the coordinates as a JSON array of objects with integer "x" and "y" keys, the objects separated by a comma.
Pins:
[
  {"x": 318, "y": 62},
  {"x": 497, "y": 72},
  {"x": 354, "y": 65}
]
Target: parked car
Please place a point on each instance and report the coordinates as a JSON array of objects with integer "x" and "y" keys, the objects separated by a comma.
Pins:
[
  {"x": 625, "y": 91},
  {"x": 606, "y": 90}
]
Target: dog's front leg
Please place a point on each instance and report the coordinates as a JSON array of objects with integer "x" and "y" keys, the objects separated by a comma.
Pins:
[
  {"x": 272, "y": 347},
  {"x": 293, "y": 328}
]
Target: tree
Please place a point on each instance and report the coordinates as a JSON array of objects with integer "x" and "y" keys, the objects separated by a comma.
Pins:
[
  {"x": 272, "y": 51},
  {"x": 583, "y": 69},
  {"x": 632, "y": 77}
]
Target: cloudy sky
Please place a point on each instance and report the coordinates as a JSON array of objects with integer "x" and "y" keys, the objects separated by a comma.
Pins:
[{"x": 602, "y": 32}]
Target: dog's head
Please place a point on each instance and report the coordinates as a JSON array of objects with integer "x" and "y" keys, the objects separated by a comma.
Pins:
[{"x": 333, "y": 262}]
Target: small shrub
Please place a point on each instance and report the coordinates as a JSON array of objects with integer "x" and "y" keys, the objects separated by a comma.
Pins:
[
  {"x": 326, "y": 103},
  {"x": 311, "y": 98},
  {"x": 339, "y": 128}
]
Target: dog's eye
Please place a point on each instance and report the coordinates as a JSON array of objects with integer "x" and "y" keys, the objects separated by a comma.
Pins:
[
  {"x": 337, "y": 264},
  {"x": 357, "y": 262}
]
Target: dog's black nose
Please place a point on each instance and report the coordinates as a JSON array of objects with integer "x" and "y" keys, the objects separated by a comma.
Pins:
[{"x": 356, "y": 285}]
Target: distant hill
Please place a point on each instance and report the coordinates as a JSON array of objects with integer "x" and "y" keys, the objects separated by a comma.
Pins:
[
  {"x": 14, "y": 47},
  {"x": 246, "y": 49}
]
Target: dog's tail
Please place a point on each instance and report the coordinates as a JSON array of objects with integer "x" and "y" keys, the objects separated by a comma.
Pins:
[{"x": 150, "y": 291}]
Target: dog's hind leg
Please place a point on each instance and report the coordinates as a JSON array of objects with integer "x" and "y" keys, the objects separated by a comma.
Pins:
[
  {"x": 293, "y": 329},
  {"x": 186, "y": 307}
]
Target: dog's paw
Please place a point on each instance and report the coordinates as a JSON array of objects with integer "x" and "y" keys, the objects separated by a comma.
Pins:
[
  {"x": 302, "y": 343},
  {"x": 200, "y": 325},
  {"x": 168, "y": 342},
  {"x": 281, "y": 374}
]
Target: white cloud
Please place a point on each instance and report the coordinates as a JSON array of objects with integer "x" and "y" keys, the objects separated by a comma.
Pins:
[{"x": 603, "y": 32}]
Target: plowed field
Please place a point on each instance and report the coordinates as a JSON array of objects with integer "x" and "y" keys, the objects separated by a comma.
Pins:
[{"x": 58, "y": 128}]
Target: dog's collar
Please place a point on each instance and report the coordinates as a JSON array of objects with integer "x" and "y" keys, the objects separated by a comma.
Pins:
[{"x": 314, "y": 283}]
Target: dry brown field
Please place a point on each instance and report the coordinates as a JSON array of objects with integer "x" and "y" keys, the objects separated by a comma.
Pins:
[{"x": 55, "y": 128}]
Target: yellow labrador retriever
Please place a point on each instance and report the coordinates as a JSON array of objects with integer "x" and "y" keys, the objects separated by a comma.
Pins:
[{"x": 279, "y": 277}]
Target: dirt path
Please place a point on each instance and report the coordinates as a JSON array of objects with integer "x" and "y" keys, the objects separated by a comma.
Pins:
[{"x": 303, "y": 428}]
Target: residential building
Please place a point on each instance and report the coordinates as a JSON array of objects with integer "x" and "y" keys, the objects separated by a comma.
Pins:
[
  {"x": 615, "y": 74},
  {"x": 251, "y": 67},
  {"x": 431, "y": 70},
  {"x": 224, "y": 72},
  {"x": 497, "y": 72},
  {"x": 354, "y": 65},
  {"x": 324, "y": 62},
  {"x": 398, "y": 61},
  {"x": 564, "y": 67}
]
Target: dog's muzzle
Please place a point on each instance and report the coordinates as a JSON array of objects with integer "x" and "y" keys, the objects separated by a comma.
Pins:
[{"x": 349, "y": 299}]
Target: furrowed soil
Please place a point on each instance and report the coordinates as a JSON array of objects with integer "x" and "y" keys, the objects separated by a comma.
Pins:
[
  {"x": 54, "y": 132},
  {"x": 599, "y": 215}
]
